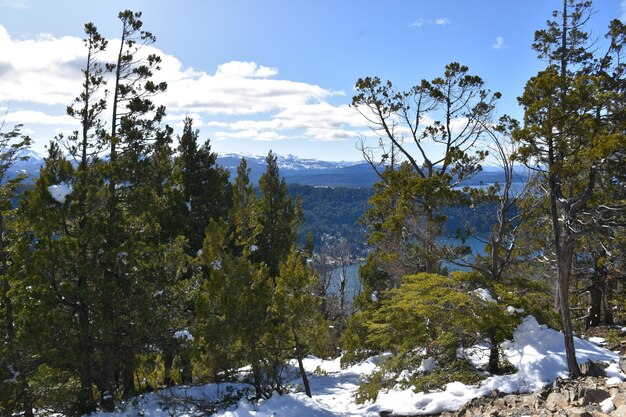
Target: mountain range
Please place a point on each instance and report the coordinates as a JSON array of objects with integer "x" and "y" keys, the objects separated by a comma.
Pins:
[{"x": 295, "y": 170}]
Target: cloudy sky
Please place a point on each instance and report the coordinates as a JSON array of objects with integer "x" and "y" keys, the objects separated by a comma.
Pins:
[{"x": 271, "y": 74}]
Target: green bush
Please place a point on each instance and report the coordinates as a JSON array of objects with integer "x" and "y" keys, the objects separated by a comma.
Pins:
[
  {"x": 428, "y": 316},
  {"x": 56, "y": 391}
]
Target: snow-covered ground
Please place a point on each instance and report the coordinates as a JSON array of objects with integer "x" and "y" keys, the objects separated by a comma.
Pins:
[{"x": 536, "y": 351}]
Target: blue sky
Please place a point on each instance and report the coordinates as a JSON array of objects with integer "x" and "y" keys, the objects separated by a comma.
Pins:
[{"x": 259, "y": 74}]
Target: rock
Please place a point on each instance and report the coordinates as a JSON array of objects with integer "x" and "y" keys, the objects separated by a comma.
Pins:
[
  {"x": 591, "y": 368},
  {"x": 622, "y": 363},
  {"x": 556, "y": 401},
  {"x": 565, "y": 398},
  {"x": 620, "y": 399},
  {"x": 578, "y": 412},
  {"x": 619, "y": 411},
  {"x": 593, "y": 396}
]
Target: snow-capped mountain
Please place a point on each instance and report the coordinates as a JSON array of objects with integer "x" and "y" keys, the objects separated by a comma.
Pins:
[
  {"x": 306, "y": 171},
  {"x": 289, "y": 162},
  {"x": 28, "y": 163},
  {"x": 295, "y": 170}
]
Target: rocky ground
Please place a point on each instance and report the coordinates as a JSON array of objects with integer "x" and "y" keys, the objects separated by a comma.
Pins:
[{"x": 586, "y": 397}]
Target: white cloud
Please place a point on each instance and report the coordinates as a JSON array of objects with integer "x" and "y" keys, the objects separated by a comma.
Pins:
[
  {"x": 28, "y": 117},
  {"x": 42, "y": 75},
  {"x": 41, "y": 70},
  {"x": 15, "y": 4},
  {"x": 318, "y": 121},
  {"x": 238, "y": 69},
  {"x": 500, "y": 44},
  {"x": 235, "y": 95},
  {"x": 441, "y": 21},
  {"x": 250, "y": 134},
  {"x": 623, "y": 5},
  {"x": 418, "y": 23}
]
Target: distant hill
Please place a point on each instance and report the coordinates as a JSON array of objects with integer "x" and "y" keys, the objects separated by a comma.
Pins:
[
  {"x": 335, "y": 174},
  {"x": 334, "y": 194},
  {"x": 306, "y": 171},
  {"x": 28, "y": 166},
  {"x": 295, "y": 170}
]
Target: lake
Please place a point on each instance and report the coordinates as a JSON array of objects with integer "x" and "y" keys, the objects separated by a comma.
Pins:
[{"x": 353, "y": 287}]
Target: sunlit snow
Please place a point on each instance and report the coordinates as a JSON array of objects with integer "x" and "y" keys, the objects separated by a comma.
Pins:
[
  {"x": 536, "y": 351},
  {"x": 60, "y": 191}
]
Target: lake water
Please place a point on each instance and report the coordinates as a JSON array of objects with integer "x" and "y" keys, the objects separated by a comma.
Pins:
[{"x": 353, "y": 287}]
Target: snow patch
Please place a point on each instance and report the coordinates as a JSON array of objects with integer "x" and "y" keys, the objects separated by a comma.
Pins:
[
  {"x": 427, "y": 365},
  {"x": 536, "y": 351},
  {"x": 600, "y": 341},
  {"x": 60, "y": 191},
  {"x": 183, "y": 334},
  {"x": 484, "y": 295},
  {"x": 607, "y": 405},
  {"x": 510, "y": 310}
]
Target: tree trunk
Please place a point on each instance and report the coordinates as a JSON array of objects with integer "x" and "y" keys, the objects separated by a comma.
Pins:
[
  {"x": 608, "y": 314},
  {"x": 494, "y": 353},
  {"x": 595, "y": 305},
  {"x": 305, "y": 378},
  {"x": 186, "y": 376},
  {"x": 564, "y": 265},
  {"x": 9, "y": 318},
  {"x": 85, "y": 363},
  {"x": 128, "y": 377},
  {"x": 107, "y": 364},
  {"x": 168, "y": 361},
  {"x": 256, "y": 375}
]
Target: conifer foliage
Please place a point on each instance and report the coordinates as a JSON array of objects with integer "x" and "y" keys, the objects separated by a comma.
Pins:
[
  {"x": 573, "y": 134},
  {"x": 256, "y": 305},
  {"x": 125, "y": 248},
  {"x": 134, "y": 262}
]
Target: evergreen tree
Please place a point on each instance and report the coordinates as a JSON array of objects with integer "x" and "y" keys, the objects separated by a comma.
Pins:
[
  {"x": 438, "y": 314},
  {"x": 132, "y": 227},
  {"x": 84, "y": 147},
  {"x": 244, "y": 211},
  {"x": 204, "y": 185},
  {"x": 97, "y": 257},
  {"x": 248, "y": 315},
  {"x": 14, "y": 393},
  {"x": 233, "y": 309},
  {"x": 406, "y": 221},
  {"x": 573, "y": 130},
  {"x": 294, "y": 307},
  {"x": 58, "y": 254},
  {"x": 278, "y": 217}
]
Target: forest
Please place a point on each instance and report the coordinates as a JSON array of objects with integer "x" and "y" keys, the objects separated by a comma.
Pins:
[{"x": 135, "y": 262}]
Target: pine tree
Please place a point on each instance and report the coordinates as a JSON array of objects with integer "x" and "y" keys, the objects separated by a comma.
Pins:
[
  {"x": 294, "y": 307},
  {"x": 98, "y": 256},
  {"x": 233, "y": 310},
  {"x": 13, "y": 371},
  {"x": 406, "y": 222},
  {"x": 244, "y": 211},
  {"x": 278, "y": 217},
  {"x": 131, "y": 226},
  {"x": 248, "y": 315},
  {"x": 58, "y": 254},
  {"x": 428, "y": 318},
  {"x": 573, "y": 131},
  {"x": 204, "y": 185}
]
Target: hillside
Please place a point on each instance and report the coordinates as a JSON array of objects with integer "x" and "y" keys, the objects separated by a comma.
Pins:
[
  {"x": 312, "y": 172},
  {"x": 536, "y": 352},
  {"x": 334, "y": 194}
]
